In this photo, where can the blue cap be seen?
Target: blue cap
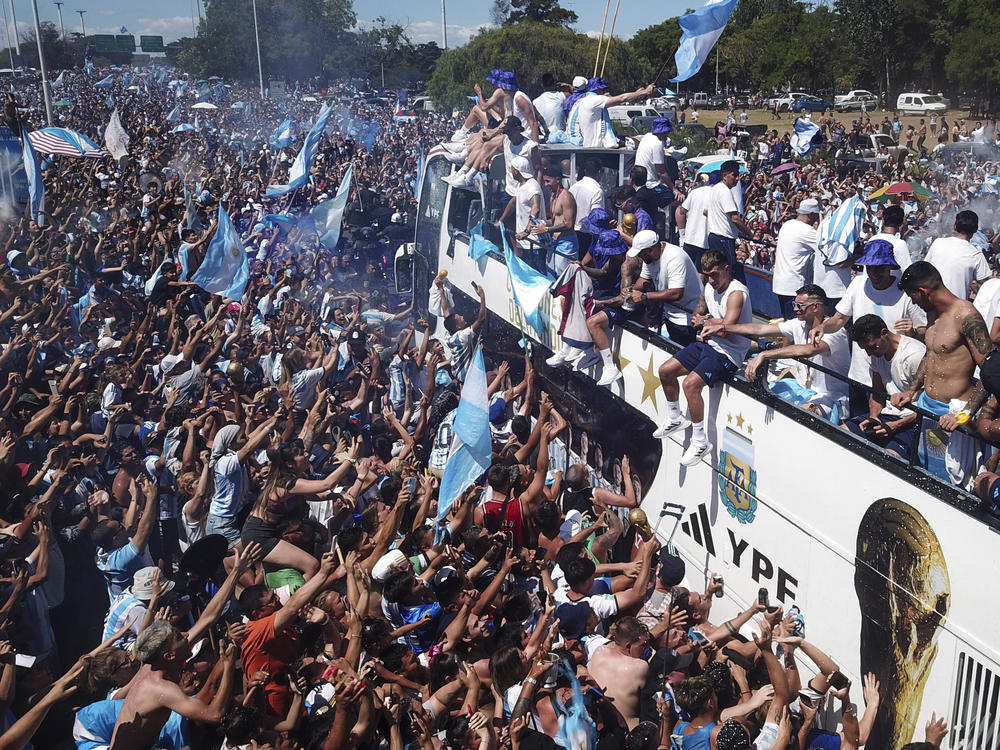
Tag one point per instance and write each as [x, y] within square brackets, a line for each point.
[662, 125]
[573, 618]
[609, 242]
[596, 221]
[878, 253]
[596, 84]
[498, 407]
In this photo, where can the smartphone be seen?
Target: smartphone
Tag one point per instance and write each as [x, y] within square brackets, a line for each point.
[411, 487]
[762, 598]
[697, 636]
[838, 680]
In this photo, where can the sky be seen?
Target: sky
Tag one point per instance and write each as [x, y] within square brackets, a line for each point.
[173, 18]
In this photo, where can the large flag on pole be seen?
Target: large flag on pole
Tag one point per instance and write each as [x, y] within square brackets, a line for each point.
[329, 215]
[225, 269]
[105, 83]
[115, 138]
[36, 188]
[298, 173]
[471, 447]
[529, 286]
[701, 30]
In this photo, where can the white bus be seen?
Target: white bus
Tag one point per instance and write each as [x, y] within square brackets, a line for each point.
[891, 567]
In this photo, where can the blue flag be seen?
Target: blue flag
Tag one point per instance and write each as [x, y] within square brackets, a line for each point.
[807, 136]
[478, 244]
[191, 220]
[225, 269]
[529, 286]
[105, 83]
[174, 115]
[282, 136]
[329, 215]
[471, 447]
[701, 30]
[839, 231]
[298, 173]
[36, 188]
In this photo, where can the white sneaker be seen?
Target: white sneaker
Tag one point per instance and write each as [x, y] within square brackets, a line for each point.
[587, 361]
[560, 357]
[459, 136]
[695, 452]
[671, 426]
[457, 157]
[609, 376]
[455, 146]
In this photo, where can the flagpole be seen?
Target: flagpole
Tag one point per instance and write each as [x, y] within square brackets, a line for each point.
[600, 39]
[10, 45]
[256, 33]
[41, 65]
[607, 47]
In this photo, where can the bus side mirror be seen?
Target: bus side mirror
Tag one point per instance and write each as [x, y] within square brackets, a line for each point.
[403, 268]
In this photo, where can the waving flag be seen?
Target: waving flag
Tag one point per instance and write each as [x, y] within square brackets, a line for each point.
[65, 142]
[478, 244]
[225, 270]
[529, 286]
[298, 173]
[191, 220]
[471, 447]
[174, 115]
[282, 136]
[36, 188]
[840, 230]
[115, 137]
[329, 215]
[105, 83]
[184, 127]
[807, 136]
[124, 30]
[701, 30]
[59, 81]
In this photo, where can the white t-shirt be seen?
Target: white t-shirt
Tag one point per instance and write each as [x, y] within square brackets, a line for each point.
[793, 257]
[696, 226]
[590, 121]
[304, 382]
[231, 482]
[899, 372]
[720, 204]
[649, 154]
[959, 262]
[509, 152]
[675, 270]
[891, 304]
[900, 251]
[550, 106]
[838, 359]
[525, 192]
[733, 346]
[830, 279]
[986, 300]
[589, 195]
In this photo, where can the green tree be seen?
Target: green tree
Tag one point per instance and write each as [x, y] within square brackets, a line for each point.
[508, 12]
[655, 45]
[974, 63]
[59, 53]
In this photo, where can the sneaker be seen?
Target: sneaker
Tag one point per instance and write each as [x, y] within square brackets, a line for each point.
[560, 357]
[457, 157]
[459, 136]
[694, 453]
[609, 376]
[455, 146]
[671, 426]
[588, 360]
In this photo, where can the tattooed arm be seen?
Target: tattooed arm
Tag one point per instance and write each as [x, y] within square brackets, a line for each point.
[977, 339]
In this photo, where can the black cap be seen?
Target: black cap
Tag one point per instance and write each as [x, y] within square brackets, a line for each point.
[296, 331]
[512, 123]
[671, 569]
[553, 170]
[355, 336]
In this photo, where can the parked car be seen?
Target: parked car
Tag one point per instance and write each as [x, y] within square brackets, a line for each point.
[855, 100]
[807, 103]
[699, 99]
[635, 116]
[868, 149]
[920, 104]
[784, 101]
[718, 101]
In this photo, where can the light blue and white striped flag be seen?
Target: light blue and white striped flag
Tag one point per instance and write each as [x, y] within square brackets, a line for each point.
[36, 188]
[282, 136]
[701, 30]
[329, 215]
[59, 81]
[298, 173]
[807, 136]
[840, 230]
[174, 115]
[105, 83]
[529, 286]
[225, 269]
[471, 447]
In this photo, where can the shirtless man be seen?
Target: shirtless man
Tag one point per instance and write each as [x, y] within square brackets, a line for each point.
[561, 210]
[619, 668]
[155, 692]
[957, 342]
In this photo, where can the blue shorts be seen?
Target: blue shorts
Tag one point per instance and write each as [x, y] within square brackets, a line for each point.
[224, 525]
[702, 359]
[664, 195]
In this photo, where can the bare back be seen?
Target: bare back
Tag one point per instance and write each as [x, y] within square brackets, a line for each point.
[957, 341]
[144, 711]
[621, 677]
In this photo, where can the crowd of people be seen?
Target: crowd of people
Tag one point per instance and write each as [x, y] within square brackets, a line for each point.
[219, 516]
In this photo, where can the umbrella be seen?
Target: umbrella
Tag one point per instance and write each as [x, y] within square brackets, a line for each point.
[786, 167]
[712, 166]
[900, 188]
[203, 105]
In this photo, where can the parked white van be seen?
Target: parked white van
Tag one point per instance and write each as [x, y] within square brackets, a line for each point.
[920, 104]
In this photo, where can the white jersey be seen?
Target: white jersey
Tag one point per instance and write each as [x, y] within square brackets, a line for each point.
[733, 346]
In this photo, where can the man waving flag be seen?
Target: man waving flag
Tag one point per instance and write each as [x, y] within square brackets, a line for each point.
[702, 30]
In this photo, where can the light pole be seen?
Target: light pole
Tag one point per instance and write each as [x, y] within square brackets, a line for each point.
[10, 46]
[444, 27]
[256, 33]
[17, 41]
[62, 29]
[81, 12]
[41, 64]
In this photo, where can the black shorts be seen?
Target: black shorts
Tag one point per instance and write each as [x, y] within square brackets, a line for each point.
[265, 534]
[702, 359]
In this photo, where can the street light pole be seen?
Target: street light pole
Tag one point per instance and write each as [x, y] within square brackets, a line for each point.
[444, 27]
[17, 41]
[41, 65]
[260, 67]
[10, 46]
[81, 12]
[62, 29]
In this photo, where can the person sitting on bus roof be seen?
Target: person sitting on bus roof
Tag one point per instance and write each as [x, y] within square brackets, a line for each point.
[669, 277]
[895, 360]
[589, 124]
[513, 142]
[821, 391]
[589, 196]
[724, 300]
[507, 99]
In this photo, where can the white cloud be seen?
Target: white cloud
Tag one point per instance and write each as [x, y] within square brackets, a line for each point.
[170, 27]
[430, 31]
